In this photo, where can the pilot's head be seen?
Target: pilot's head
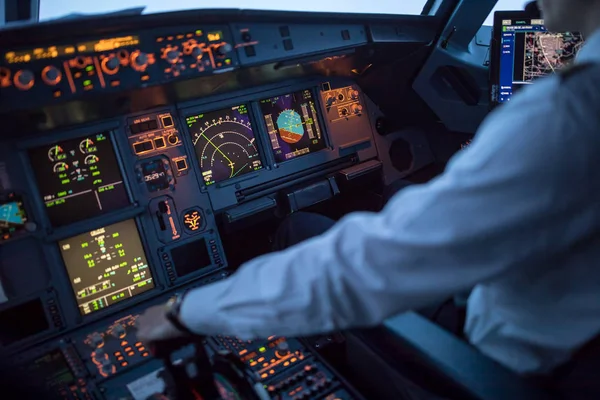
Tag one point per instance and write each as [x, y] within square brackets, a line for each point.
[571, 15]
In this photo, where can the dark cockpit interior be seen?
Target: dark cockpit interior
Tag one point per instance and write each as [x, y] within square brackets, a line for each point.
[143, 155]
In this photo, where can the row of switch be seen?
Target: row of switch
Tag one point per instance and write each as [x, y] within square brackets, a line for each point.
[157, 143]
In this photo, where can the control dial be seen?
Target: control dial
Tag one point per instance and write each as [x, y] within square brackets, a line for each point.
[329, 100]
[197, 53]
[173, 139]
[171, 54]
[110, 65]
[51, 75]
[96, 340]
[356, 108]
[223, 49]
[354, 94]
[119, 331]
[139, 61]
[24, 79]
[283, 349]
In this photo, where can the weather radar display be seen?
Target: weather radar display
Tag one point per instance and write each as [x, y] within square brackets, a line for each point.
[225, 144]
[293, 125]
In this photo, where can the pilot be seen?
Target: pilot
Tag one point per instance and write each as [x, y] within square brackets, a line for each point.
[515, 218]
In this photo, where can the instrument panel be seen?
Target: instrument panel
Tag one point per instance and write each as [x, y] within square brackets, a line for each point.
[102, 219]
[116, 214]
[112, 64]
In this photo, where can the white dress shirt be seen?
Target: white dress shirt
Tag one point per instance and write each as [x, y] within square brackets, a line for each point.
[514, 216]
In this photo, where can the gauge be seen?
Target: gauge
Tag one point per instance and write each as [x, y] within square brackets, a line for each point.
[87, 146]
[56, 153]
[91, 159]
[60, 167]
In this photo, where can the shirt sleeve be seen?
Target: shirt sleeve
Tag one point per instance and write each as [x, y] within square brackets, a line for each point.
[513, 198]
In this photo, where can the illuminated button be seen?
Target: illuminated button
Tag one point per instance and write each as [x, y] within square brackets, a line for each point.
[261, 359]
[124, 364]
[181, 164]
[264, 375]
[167, 121]
[128, 349]
[146, 354]
[131, 354]
[57, 93]
[148, 145]
[138, 148]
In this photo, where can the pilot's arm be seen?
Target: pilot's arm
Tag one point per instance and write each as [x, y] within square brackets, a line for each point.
[518, 195]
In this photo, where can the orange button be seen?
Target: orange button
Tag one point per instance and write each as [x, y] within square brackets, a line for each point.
[131, 354]
[124, 364]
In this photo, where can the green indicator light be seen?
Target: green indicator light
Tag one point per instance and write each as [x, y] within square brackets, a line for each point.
[89, 68]
[87, 82]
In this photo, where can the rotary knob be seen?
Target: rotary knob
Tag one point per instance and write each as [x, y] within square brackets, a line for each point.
[283, 349]
[96, 340]
[354, 95]
[173, 139]
[106, 366]
[357, 108]
[24, 79]
[329, 100]
[139, 61]
[172, 56]
[110, 65]
[119, 332]
[197, 53]
[224, 49]
[51, 75]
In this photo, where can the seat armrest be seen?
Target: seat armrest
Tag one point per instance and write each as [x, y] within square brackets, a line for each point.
[457, 361]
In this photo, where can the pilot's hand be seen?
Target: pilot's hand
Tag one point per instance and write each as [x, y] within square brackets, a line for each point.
[153, 326]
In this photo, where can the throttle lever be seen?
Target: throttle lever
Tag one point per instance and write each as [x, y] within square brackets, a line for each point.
[179, 385]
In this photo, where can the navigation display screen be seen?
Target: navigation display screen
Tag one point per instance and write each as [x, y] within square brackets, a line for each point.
[293, 125]
[526, 51]
[225, 143]
[106, 266]
[79, 179]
